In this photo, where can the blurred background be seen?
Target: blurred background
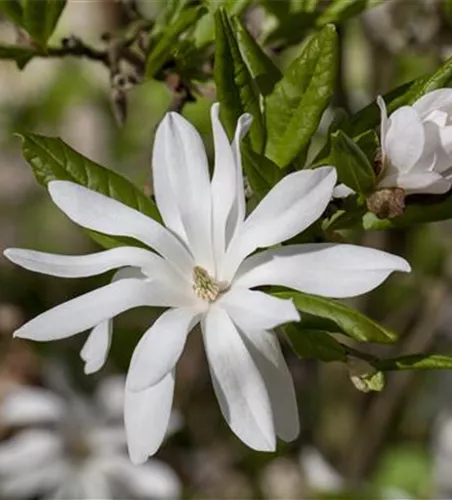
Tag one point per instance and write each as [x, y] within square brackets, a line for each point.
[393, 444]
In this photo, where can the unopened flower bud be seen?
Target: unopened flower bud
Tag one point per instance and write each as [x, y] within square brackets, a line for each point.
[387, 203]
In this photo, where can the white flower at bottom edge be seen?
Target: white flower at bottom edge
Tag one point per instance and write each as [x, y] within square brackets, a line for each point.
[416, 146]
[75, 448]
[204, 272]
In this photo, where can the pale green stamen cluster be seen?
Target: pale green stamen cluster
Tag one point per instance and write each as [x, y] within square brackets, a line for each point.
[206, 287]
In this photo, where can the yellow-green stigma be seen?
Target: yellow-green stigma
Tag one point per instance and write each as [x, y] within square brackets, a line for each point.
[206, 287]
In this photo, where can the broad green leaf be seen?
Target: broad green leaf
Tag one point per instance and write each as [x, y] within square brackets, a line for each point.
[37, 17]
[22, 55]
[415, 362]
[261, 172]
[52, 159]
[315, 344]
[236, 89]
[350, 321]
[340, 10]
[261, 67]
[406, 94]
[161, 52]
[353, 167]
[40, 18]
[294, 109]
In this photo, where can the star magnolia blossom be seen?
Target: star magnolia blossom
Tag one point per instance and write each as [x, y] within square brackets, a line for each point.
[75, 448]
[203, 270]
[416, 146]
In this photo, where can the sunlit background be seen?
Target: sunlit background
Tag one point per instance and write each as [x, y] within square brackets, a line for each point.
[56, 424]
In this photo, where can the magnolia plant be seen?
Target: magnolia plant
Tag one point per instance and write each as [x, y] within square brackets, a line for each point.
[247, 252]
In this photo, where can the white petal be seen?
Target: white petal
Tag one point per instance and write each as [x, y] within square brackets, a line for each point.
[77, 266]
[384, 124]
[92, 308]
[110, 395]
[98, 212]
[96, 347]
[342, 191]
[404, 141]
[224, 189]
[238, 384]
[266, 352]
[36, 482]
[255, 310]
[154, 480]
[324, 269]
[184, 158]
[160, 348]
[28, 450]
[422, 182]
[437, 117]
[28, 406]
[237, 215]
[440, 99]
[291, 206]
[146, 416]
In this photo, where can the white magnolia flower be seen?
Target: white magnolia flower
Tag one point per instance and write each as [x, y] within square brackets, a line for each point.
[73, 448]
[416, 146]
[203, 270]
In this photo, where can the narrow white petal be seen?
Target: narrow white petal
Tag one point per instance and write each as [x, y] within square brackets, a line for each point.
[404, 141]
[96, 347]
[324, 269]
[238, 384]
[237, 215]
[291, 206]
[384, 124]
[77, 266]
[36, 482]
[110, 395]
[92, 308]
[342, 191]
[185, 161]
[159, 349]
[224, 188]
[30, 406]
[255, 310]
[419, 182]
[28, 449]
[146, 416]
[266, 352]
[155, 479]
[98, 212]
[440, 99]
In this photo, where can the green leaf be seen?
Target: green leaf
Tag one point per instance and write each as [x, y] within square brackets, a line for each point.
[261, 67]
[350, 321]
[236, 90]
[315, 344]
[415, 362]
[22, 55]
[162, 51]
[406, 94]
[52, 159]
[37, 17]
[353, 167]
[341, 10]
[369, 382]
[294, 109]
[261, 172]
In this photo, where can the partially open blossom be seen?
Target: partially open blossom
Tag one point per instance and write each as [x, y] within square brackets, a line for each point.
[70, 446]
[416, 145]
[204, 269]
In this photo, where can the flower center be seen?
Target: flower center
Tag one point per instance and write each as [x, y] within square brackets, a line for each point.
[205, 286]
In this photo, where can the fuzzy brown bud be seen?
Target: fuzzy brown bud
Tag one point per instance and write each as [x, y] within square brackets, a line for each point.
[387, 203]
